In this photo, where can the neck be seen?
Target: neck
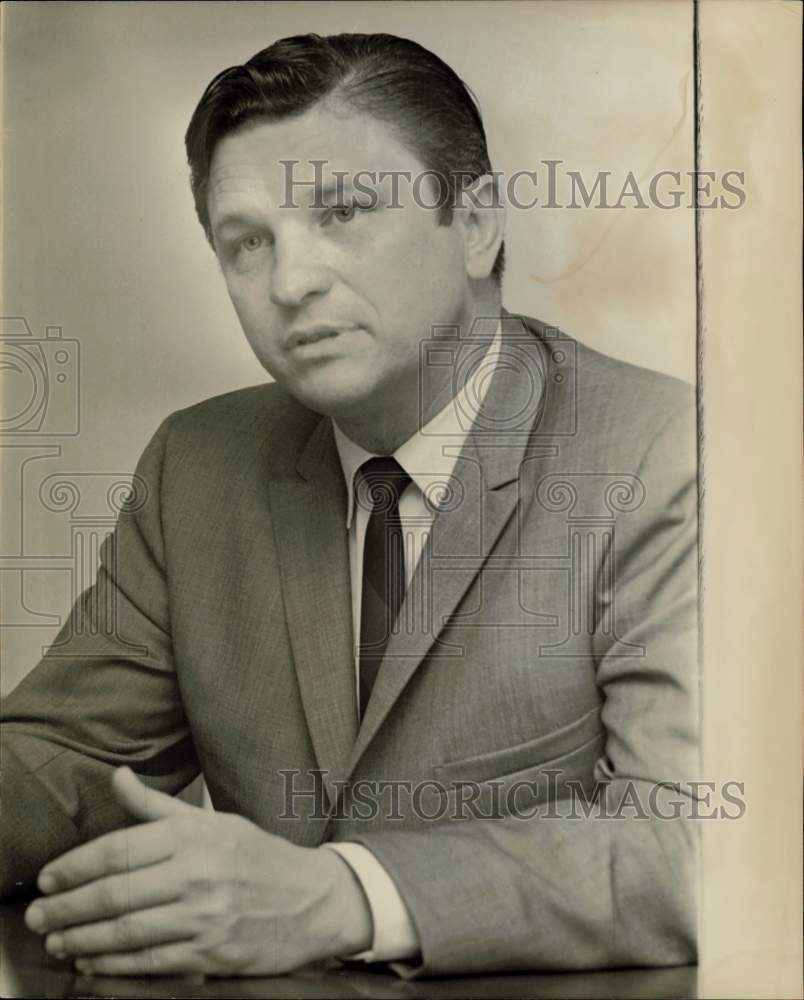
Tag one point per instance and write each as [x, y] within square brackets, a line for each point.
[383, 426]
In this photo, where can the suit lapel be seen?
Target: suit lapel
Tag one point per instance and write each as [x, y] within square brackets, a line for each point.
[309, 512]
[463, 534]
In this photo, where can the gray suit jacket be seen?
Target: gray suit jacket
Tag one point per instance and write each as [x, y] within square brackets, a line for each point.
[549, 639]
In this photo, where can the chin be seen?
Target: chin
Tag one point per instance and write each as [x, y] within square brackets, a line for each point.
[335, 395]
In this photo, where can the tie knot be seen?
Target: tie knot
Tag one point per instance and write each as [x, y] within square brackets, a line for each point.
[381, 482]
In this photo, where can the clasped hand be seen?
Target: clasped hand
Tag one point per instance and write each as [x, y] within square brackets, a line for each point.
[193, 891]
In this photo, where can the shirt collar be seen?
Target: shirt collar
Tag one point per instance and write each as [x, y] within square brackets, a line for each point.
[429, 456]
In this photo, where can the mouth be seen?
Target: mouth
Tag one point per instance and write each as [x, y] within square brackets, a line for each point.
[315, 334]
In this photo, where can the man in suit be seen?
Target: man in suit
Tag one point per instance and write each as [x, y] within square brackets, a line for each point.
[422, 611]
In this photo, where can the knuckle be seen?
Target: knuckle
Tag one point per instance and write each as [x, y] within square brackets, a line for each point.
[129, 932]
[228, 955]
[115, 853]
[215, 908]
[210, 923]
[107, 896]
[200, 877]
[185, 876]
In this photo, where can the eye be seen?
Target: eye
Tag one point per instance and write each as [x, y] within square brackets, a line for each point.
[251, 243]
[344, 213]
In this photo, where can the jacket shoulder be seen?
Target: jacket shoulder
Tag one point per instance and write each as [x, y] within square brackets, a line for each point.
[244, 410]
[255, 424]
[633, 384]
[611, 402]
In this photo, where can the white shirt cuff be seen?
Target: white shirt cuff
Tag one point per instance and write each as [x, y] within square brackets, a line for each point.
[395, 937]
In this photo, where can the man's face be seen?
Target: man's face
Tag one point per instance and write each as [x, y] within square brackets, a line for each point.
[334, 301]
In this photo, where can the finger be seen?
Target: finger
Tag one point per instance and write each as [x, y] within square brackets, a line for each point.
[145, 803]
[167, 959]
[105, 897]
[132, 931]
[120, 851]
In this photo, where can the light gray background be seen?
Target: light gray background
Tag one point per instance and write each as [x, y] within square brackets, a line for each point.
[101, 237]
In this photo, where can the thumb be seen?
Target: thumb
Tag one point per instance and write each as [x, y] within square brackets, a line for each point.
[145, 803]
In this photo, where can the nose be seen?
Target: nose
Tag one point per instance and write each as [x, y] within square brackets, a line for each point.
[298, 272]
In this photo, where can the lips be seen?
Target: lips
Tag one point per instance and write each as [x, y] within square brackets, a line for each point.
[314, 334]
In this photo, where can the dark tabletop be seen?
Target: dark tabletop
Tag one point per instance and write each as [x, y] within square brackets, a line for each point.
[26, 970]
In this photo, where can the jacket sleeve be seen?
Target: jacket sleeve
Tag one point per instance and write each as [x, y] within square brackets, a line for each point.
[616, 888]
[105, 694]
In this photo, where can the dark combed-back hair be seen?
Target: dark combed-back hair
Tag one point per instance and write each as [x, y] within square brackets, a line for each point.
[395, 80]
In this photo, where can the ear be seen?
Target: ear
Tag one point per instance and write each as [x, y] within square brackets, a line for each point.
[482, 214]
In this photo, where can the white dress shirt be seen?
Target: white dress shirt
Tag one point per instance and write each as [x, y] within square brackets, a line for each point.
[429, 459]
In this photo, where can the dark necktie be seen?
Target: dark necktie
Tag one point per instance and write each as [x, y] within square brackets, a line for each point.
[381, 482]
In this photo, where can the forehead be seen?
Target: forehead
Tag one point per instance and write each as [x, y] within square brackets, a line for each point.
[253, 162]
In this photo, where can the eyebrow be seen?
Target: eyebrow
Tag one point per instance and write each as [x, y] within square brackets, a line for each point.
[230, 220]
[238, 219]
[342, 185]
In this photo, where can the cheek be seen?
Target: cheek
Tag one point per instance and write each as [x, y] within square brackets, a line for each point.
[439, 286]
[253, 308]
[419, 269]
[258, 322]
[440, 259]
